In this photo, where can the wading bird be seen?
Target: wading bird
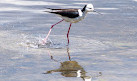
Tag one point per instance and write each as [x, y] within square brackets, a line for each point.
[69, 15]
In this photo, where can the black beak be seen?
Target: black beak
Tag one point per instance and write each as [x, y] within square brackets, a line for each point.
[97, 12]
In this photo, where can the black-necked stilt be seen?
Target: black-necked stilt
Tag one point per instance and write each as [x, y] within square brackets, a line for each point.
[69, 15]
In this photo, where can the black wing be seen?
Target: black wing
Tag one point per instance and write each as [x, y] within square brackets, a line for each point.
[70, 13]
[67, 14]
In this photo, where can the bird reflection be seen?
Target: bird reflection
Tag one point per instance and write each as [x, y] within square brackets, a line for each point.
[70, 69]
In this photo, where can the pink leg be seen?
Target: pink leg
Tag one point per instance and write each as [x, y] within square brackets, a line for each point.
[68, 33]
[68, 54]
[45, 40]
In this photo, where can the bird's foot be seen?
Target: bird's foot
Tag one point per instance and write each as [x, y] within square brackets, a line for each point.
[42, 42]
[45, 42]
[67, 45]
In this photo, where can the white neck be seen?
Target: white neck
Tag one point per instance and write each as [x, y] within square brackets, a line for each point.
[84, 14]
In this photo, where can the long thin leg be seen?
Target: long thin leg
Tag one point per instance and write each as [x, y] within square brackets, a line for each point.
[68, 33]
[45, 40]
[68, 54]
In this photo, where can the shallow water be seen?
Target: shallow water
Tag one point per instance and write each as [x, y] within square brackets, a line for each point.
[102, 47]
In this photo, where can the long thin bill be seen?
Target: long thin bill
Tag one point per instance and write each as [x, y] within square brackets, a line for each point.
[97, 12]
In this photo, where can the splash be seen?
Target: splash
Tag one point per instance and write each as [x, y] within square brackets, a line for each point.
[37, 42]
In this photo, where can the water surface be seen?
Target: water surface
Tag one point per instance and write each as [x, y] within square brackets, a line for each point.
[102, 47]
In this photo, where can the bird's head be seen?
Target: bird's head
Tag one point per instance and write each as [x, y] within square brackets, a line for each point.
[89, 8]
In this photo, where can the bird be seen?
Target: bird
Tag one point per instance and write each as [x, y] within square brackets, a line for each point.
[69, 15]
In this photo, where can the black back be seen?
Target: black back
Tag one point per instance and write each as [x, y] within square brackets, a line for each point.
[69, 14]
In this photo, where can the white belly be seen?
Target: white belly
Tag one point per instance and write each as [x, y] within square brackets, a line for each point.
[73, 20]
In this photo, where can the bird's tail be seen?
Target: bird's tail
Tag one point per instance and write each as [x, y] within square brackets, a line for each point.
[48, 10]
